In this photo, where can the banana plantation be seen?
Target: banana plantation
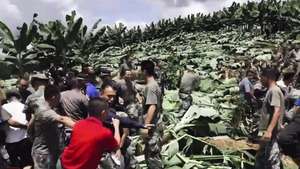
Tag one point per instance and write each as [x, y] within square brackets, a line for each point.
[213, 132]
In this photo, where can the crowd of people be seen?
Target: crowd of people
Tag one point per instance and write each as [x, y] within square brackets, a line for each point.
[82, 120]
[269, 93]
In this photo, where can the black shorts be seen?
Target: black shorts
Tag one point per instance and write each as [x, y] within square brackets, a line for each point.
[289, 139]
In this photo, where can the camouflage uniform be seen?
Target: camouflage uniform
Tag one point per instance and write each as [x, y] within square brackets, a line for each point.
[134, 111]
[128, 149]
[186, 102]
[153, 142]
[268, 157]
[189, 82]
[129, 157]
[107, 162]
[30, 104]
[44, 154]
[153, 145]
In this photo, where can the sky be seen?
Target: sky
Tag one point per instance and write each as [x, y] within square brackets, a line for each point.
[129, 12]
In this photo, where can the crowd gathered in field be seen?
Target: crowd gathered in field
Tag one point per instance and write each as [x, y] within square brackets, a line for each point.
[74, 119]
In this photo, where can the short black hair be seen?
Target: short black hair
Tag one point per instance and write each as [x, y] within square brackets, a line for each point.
[11, 94]
[109, 83]
[96, 106]
[148, 66]
[73, 83]
[271, 74]
[50, 91]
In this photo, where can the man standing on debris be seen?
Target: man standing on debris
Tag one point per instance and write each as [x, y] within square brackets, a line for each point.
[152, 108]
[125, 63]
[127, 94]
[268, 156]
[189, 82]
[246, 88]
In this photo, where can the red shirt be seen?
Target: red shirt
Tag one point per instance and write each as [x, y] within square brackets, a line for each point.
[88, 141]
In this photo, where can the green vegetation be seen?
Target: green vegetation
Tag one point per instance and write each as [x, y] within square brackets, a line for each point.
[72, 43]
[221, 44]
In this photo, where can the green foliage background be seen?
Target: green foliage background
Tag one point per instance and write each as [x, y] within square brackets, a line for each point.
[223, 42]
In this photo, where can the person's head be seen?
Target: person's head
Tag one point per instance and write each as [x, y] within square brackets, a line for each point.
[52, 95]
[288, 78]
[252, 75]
[126, 74]
[13, 95]
[269, 76]
[147, 67]
[108, 93]
[98, 108]
[23, 84]
[91, 78]
[85, 68]
[39, 80]
[76, 83]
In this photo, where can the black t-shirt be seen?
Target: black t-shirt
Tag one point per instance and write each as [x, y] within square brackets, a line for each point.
[24, 94]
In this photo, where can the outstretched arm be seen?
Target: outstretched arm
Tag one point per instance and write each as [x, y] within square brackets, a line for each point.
[66, 121]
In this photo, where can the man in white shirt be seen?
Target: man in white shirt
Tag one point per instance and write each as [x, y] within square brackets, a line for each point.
[17, 144]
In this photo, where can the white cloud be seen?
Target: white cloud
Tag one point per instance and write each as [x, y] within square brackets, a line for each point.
[9, 11]
[129, 12]
[173, 8]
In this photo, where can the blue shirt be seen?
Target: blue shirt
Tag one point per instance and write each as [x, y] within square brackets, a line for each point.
[92, 91]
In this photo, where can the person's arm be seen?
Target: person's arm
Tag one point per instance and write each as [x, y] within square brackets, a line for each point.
[273, 123]
[66, 121]
[16, 124]
[139, 97]
[7, 117]
[150, 114]
[30, 127]
[276, 103]
[116, 124]
[124, 136]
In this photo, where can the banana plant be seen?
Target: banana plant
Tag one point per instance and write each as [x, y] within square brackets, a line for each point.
[61, 37]
[116, 35]
[86, 43]
[16, 50]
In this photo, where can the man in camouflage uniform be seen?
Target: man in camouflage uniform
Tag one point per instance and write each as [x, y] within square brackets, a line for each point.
[46, 133]
[160, 76]
[38, 82]
[189, 82]
[152, 105]
[268, 156]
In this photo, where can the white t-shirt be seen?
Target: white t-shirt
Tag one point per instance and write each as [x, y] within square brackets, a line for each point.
[13, 135]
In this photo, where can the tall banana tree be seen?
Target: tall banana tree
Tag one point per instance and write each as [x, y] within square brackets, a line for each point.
[60, 37]
[86, 44]
[16, 51]
[115, 35]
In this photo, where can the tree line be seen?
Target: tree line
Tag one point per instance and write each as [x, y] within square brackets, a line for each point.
[37, 45]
